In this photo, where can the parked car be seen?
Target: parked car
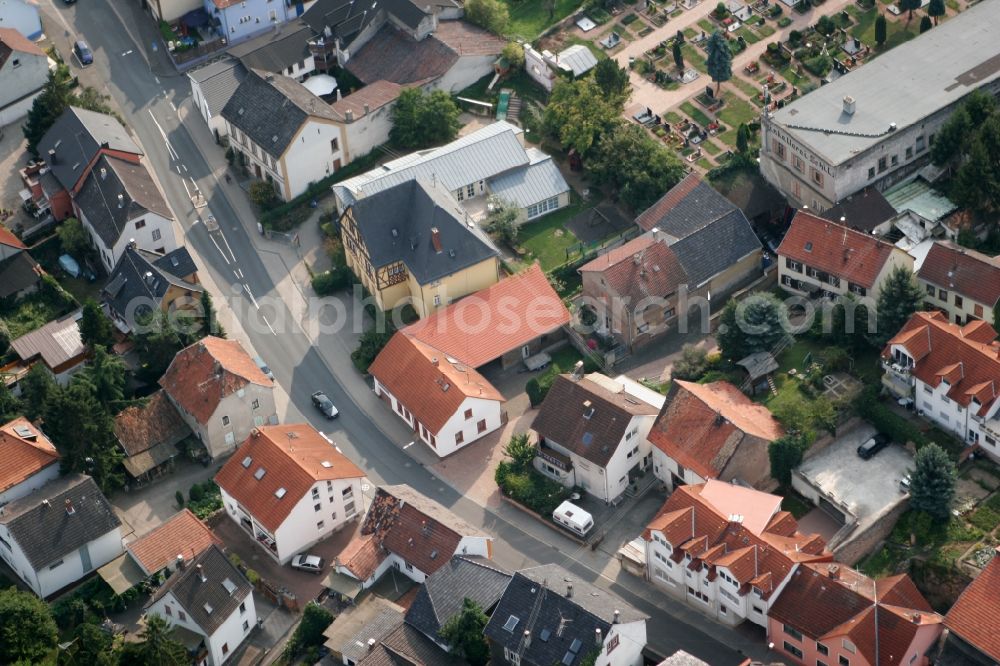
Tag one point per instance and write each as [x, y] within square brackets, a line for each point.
[873, 445]
[83, 52]
[263, 367]
[325, 405]
[306, 562]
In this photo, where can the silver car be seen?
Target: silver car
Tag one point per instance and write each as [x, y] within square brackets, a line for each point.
[306, 562]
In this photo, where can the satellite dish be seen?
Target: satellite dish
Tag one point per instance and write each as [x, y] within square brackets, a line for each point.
[574, 496]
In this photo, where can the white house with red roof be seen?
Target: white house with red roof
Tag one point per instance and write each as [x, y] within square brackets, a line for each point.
[960, 282]
[29, 459]
[972, 621]
[219, 392]
[819, 257]
[24, 69]
[289, 487]
[727, 550]
[952, 373]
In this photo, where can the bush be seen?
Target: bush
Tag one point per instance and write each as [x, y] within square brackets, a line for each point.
[794, 37]
[532, 489]
[196, 493]
[179, 498]
[370, 344]
[692, 365]
[209, 499]
[985, 519]
[534, 391]
[900, 430]
[253, 577]
[263, 195]
[784, 22]
[332, 281]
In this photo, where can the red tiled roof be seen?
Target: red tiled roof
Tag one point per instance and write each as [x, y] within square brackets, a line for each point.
[11, 40]
[689, 428]
[7, 237]
[943, 350]
[652, 215]
[974, 615]
[466, 39]
[139, 429]
[375, 95]
[493, 321]
[640, 268]
[182, 535]
[23, 457]
[955, 268]
[825, 601]
[201, 375]
[431, 384]
[825, 246]
[293, 457]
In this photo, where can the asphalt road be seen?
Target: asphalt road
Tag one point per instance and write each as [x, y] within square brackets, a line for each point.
[148, 91]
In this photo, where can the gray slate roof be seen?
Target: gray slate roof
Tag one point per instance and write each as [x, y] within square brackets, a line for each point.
[539, 181]
[443, 593]
[218, 81]
[194, 594]
[377, 618]
[561, 623]
[396, 224]
[47, 532]
[98, 198]
[76, 137]
[715, 247]
[903, 86]
[276, 50]
[270, 109]
[131, 291]
[346, 18]
[17, 273]
[406, 646]
[687, 207]
[863, 210]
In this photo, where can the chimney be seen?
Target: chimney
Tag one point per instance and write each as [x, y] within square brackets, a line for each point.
[69, 507]
[131, 243]
[436, 239]
[371, 644]
[527, 638]
[598, 636]
[46, 502]
[569, 591]
[892, 127]
[434, 361]
[617, 615]
[121, 200]
[201, 574]
[349, 114]
[915, 618]
[366, 108]
[833, 572]
[181, 565]
[578, 370]
[637, 258]
[656, 234]
[849, 105]
[104, 173]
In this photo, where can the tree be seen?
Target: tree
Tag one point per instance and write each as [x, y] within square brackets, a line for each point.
[57, 95]
[464, 633]
[370, 344]
[521, 451]
[263, 195]
[106, 375]
[82, 429]
[95, 327]
[678, 52]
[758, 323]
[73, 237]
[93, 646]
[720, 59]
[211, 324]
[976, 184]
[950, 139]
[743, 138]
[513, 53]
[638, 168]
[501, 221]
[880, 30]
[158, 646]
[925, 24]
[157, 342]
[579, 113]
[421, 119]
[315, 619]
[27, 631]
[908, 6]
[785, 454]
[692, 364]
[936, 8]
[932, 483]
[899, 298]
[612, 79]
[36, 389]
[10, 406]
[491, 15]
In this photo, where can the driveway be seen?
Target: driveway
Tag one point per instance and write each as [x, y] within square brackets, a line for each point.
[145, 509]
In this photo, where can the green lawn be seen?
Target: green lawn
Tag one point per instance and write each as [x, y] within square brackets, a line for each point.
[694, 58]
[690, 32]
[672, 117]
[747, 88]
[736, 111]
[710, 147]
[707, 26]
[766, 30]
[31, 313]
[794, 355]
[788, 71]
[563, 360]
[704, 163]
[548, 239]
[795, 504]
[952, 5]
[529, 18]
[695, 114]
[897, 31]
[748, 35]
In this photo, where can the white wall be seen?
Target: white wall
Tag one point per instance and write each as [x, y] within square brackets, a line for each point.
[22, 16]
[629, 639]
[243, 19]
[664, 467]
[300, 529]
[310, 156]
[32, 483]
[19, 85]
[216, 123]
[143, 237]
[367, 132]
[466, 71]
[220, 438]
[233, 631]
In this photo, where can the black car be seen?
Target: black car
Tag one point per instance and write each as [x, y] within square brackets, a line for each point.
[873, 445]
[325, 405]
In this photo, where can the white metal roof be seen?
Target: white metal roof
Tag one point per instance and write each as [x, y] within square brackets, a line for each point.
[539, 181]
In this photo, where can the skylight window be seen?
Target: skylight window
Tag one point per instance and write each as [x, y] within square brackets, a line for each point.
[259, 474]
[809, 246]
[280, 492]
[230, 586]
[208, 609]
[511, 623]
[247, 461]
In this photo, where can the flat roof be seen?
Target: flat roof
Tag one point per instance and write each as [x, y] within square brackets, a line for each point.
[902, 86]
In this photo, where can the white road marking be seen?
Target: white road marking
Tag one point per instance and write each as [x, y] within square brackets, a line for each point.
[157, 79]
[172, 106]
[177, 166]
[237, 274]
[227, 246]
[163, 135]
[184, 166]
[219, 249]
[269, 325]
[408, 446]
[253, 300]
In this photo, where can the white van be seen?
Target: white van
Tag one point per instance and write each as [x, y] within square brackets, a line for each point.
[573, 518]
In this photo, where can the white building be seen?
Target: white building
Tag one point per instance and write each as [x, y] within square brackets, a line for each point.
[212, 86]
[24, 70]
[31, 460]
[289, 487]
[593, 432]
[23, 16]
[118, 203]
[952, 373]
[220, 393]
[546, 68]
[411, 533]
[240, 20]
[726, 550]
[365, 117]
[56, 535]
[872, 127]
[210, 605]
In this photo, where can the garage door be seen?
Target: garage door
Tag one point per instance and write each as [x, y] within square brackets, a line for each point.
[831, 510]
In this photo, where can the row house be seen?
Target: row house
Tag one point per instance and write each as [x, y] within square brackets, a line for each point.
[961, 283]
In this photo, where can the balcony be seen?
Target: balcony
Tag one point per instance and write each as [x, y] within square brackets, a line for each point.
[554, 458]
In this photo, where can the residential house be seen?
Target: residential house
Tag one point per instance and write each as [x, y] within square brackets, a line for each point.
[829, 613]
[144, 282]
[429, 373]
[23, 16]
[546, 68]
[972, 634]
[592, 432]
[870, 127]
[411, 533]
[282, 132]
[59, 533]
[69, 150]
[866, 211]
[358, 628]
[19, 272]
[211, 88]
[220, 393]
[30, 460]
[711, 237]
[952, 373]
[758, 199]
[24, 70]
[171, 10]
[365, 117]
[490, 162]
[283, 50]
[818, 257]
[961, 283]
[548, 616]
[634, 290]
[119, 205]
[149, 435]
[57, 345]
[236, 20]
[411, 244]
[406, 645]
[210, 605]
[726, 550]
[712, 431]
[289, 487]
